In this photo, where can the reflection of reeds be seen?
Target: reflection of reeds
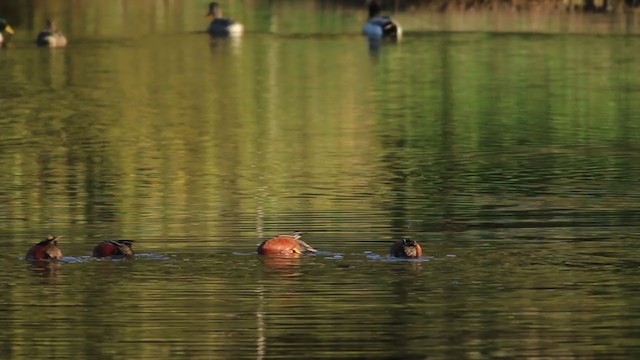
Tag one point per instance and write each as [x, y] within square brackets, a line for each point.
[261, 336]
[240, 123]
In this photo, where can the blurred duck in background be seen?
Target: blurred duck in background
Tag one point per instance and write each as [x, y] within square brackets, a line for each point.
[380, 27]
[51, 37]
[221, 26]
[5, 28]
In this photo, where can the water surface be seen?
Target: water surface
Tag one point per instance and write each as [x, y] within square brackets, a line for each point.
[510, 154]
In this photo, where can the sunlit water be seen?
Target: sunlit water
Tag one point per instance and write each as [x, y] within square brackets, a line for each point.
[512, 157]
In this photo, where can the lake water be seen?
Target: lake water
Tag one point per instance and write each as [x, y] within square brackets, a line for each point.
[508, 146]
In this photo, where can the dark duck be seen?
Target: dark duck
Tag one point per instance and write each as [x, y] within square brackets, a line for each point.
[405, 248]
[221, 26]
[380, 27]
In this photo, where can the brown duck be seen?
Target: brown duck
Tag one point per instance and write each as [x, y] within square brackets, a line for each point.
[285, 245]
[45, 249]
[406, 248]
[113, 248]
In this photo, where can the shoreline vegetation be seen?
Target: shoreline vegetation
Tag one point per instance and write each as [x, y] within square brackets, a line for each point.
[588, 6]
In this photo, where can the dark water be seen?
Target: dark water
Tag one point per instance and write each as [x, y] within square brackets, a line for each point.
[511, 154]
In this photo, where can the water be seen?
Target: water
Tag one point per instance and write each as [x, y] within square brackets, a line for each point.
[509, 153]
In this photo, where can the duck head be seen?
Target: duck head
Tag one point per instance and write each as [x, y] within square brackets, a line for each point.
[215, 11]
[374, 9]
[5, 27]
[50, 25]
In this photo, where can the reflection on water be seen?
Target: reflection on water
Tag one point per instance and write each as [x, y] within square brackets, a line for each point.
[511, 157]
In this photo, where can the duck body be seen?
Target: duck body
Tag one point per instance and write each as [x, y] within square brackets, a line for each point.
[5, 27]
[51, 37]
[285, 245]
[380, 27]
[46, 249]
[114, 248]
[221, 26]
[406, 248]
[225, 27]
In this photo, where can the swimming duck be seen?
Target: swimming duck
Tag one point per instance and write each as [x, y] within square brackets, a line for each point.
[405, 248]
[220, 26]
[113, 248]
[379, 27]
[51, 37]
[45, 249]
[285, 245]
[5, 27]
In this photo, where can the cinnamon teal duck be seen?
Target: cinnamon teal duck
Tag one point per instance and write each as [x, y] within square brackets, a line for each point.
[45, 249]
[286, 245]
[405, 248]
[114, 248]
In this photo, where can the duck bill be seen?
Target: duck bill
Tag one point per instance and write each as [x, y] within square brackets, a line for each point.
[9, 29]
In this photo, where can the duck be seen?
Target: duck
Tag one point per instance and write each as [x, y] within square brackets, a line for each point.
[51, 37]
[285, 245]
[5, 27]
[114, 248]
[46, 249]
[380, 27]
[221, 26]
[406, 249]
